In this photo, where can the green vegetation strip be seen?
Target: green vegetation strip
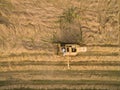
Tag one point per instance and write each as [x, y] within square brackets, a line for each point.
[25, 54]
[98, 53]
[61, 63]
[77, 73]
[22, 88]
[76, 82]
[55, 89]
[61, 82]
[73, 73]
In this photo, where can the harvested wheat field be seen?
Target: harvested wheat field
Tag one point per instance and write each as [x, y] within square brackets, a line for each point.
[31, 30]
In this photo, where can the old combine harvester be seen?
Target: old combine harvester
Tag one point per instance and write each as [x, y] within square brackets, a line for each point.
[70, 50]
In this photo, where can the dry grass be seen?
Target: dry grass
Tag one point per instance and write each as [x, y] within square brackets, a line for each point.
[34, 22]
[27, 56]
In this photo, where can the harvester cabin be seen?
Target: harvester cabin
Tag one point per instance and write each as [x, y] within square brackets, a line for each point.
[70, 49]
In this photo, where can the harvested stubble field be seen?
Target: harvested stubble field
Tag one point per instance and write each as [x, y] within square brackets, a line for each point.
[28, 60]
[36, 71]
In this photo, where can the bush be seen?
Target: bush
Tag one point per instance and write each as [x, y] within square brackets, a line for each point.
[70, 27]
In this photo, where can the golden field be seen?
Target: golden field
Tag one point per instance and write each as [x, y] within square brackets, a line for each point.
[28, 30]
